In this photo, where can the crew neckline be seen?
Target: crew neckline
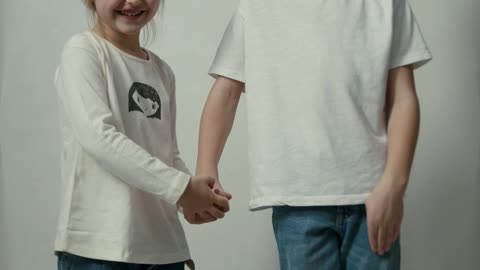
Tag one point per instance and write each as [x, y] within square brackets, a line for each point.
[136, 58]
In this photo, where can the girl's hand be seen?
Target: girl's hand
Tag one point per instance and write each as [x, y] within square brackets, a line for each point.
[384, 216]
[199, 197]
[205, 217]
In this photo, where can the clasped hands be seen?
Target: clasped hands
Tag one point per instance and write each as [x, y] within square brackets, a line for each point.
[204, 200]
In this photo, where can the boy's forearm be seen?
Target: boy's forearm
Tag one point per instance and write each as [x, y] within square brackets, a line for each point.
[216, 123]
[403, 126]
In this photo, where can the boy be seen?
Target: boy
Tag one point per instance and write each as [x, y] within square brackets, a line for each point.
[333, 120]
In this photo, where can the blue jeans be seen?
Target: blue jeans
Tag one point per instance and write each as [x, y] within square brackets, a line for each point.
[67, 261]
[328, 238]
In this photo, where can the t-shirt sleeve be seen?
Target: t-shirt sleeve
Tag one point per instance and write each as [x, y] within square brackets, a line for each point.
[230, 58]
[408, 44]
[81, 88]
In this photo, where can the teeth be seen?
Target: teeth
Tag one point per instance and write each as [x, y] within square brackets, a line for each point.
[130, 14]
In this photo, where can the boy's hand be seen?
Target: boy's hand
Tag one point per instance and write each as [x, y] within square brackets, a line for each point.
[218, 189]
[384, 216]
[199, 197]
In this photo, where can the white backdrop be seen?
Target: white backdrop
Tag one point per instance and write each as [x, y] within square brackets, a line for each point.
[442, 213]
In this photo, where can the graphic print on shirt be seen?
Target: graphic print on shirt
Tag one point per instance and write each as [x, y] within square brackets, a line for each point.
[145, 99]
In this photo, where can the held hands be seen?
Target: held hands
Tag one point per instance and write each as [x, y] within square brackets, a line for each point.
[384, 215]
[205, 217]
[204, 200]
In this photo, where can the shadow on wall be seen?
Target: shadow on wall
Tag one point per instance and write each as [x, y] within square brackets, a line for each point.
[478, 159]
[2, 49]
[478, 186]
[477, 41]
[3, 233]
[3, 245]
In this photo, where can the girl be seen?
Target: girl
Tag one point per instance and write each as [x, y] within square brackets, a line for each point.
[123, 175]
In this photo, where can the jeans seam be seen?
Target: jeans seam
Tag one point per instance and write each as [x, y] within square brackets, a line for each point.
[340, 220]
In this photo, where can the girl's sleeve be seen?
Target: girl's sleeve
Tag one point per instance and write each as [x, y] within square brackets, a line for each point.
[81, 88]
[177, 160]
[408, 44]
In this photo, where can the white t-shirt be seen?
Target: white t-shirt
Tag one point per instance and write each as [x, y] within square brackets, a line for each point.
[315, 74]
[121, 167]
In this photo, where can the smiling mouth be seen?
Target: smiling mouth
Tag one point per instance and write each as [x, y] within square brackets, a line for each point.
[130, 13]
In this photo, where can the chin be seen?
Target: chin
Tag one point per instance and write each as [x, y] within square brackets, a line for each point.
[129, 30]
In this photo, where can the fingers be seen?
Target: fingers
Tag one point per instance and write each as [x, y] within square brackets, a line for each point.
[192, 219]
[396, 233]
[388, 243]
[198, 217]
[202, 218]
[386, 237]
[223, 193]
[215, 212]
[205, 217]
[220, 201]
[372, 236]
[381, 240]
[391, 238]
[222, 208]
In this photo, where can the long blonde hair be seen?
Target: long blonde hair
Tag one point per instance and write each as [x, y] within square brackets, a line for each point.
[147, 34]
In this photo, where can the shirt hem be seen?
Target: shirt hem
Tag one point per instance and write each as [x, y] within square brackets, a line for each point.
[333, 200]
[62, 245]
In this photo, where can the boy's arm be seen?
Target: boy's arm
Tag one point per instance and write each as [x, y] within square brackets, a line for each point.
[216, 123]
[215, 126]
[385, 204]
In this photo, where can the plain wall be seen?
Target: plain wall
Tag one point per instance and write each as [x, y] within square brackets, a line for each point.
[442, 217]
[2, 199]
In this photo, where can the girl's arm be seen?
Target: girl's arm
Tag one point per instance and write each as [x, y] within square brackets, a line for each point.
[81, 90]
[385, 204]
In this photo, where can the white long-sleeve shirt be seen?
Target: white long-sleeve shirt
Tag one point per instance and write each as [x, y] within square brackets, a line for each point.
[121, 167]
